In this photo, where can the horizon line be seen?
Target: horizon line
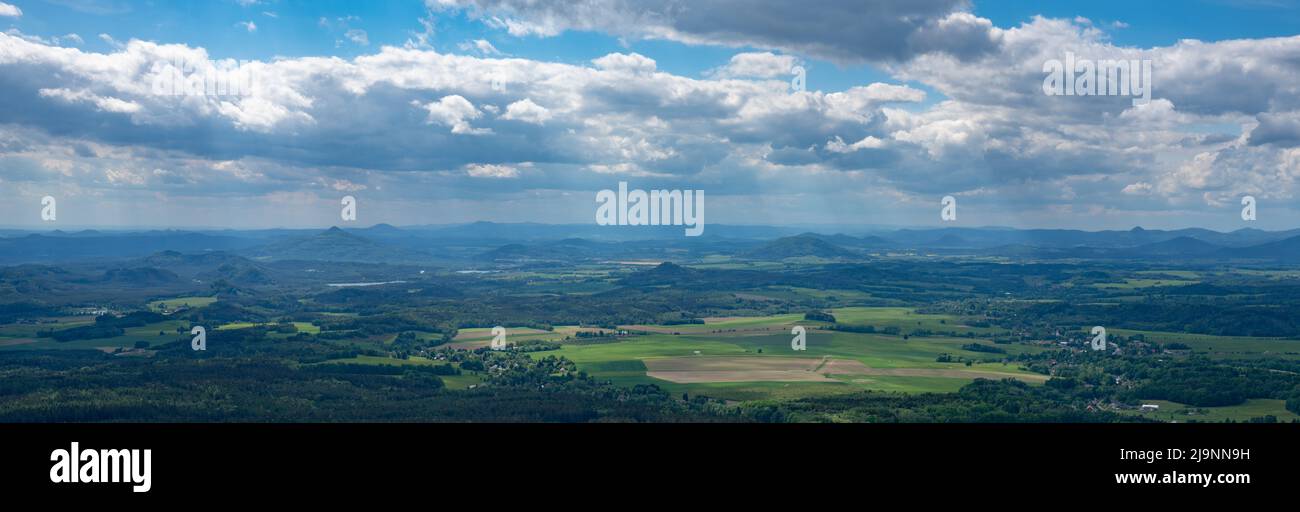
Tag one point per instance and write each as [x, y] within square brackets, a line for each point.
[876, 227]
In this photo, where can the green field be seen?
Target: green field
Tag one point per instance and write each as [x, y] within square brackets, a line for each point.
[306, 327]
[774, 323]
[1225, 347]
[905, 319]
[149, 333]
[23, 336]
[27, 331]
[623, 362]
[381, 360]
[1173, 411]
[485, 333]
[750, 391]
[481, 337]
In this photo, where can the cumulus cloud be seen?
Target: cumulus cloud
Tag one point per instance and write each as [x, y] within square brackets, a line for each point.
[100, 102]
[1140, 188]
[634, 62]
[415, 123]
[864, 31]
[868, 142]
[10, 10]
[757, 65]
[455, 111]
[1282, 129]
[66, 39]
[491, 171]
[527, 111]
[481, 46]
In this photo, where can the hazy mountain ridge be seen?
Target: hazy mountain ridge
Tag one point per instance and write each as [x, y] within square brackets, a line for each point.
[488, 242]
[804, 245]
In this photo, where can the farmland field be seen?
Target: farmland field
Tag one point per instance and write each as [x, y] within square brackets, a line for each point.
[1173, 411]
[708, 338]
[748, 347]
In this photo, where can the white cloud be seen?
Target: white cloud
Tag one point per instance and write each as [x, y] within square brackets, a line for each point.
[107, 104]
[358, 36]
[633, 62]
[69, 38]
[1140, 188]
[110, 41]
[527, 111]
[10, 10]
[838, 146]
[247, 26]
[123, 177]
[342, 185]
[757, 65]
[455, 111]
[491, 171]
[883, 30]
[325, 119]
[481, 46]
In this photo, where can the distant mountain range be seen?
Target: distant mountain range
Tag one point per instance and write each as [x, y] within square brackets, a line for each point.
[489, 243]
[335, 244]
[805, 245]
[61, 247]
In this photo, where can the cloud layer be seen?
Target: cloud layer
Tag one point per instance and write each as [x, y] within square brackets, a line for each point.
[504, 138]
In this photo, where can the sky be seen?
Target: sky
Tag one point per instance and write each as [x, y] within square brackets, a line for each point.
[451, 111]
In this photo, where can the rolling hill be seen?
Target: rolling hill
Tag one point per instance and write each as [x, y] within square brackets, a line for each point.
[800, 246]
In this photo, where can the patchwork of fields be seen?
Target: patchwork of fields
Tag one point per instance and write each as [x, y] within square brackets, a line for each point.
[743, 358]
[751, 358]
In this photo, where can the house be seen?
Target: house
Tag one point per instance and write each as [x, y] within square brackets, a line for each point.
[1150, 407]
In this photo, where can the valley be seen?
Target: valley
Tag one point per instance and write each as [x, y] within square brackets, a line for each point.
[696, 330]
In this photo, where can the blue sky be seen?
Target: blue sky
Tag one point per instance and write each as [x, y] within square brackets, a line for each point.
[294, 28]
[906, 101]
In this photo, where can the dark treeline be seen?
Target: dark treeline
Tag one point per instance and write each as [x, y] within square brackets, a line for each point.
[983, 401]
[219, 389]
[1178, 314]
